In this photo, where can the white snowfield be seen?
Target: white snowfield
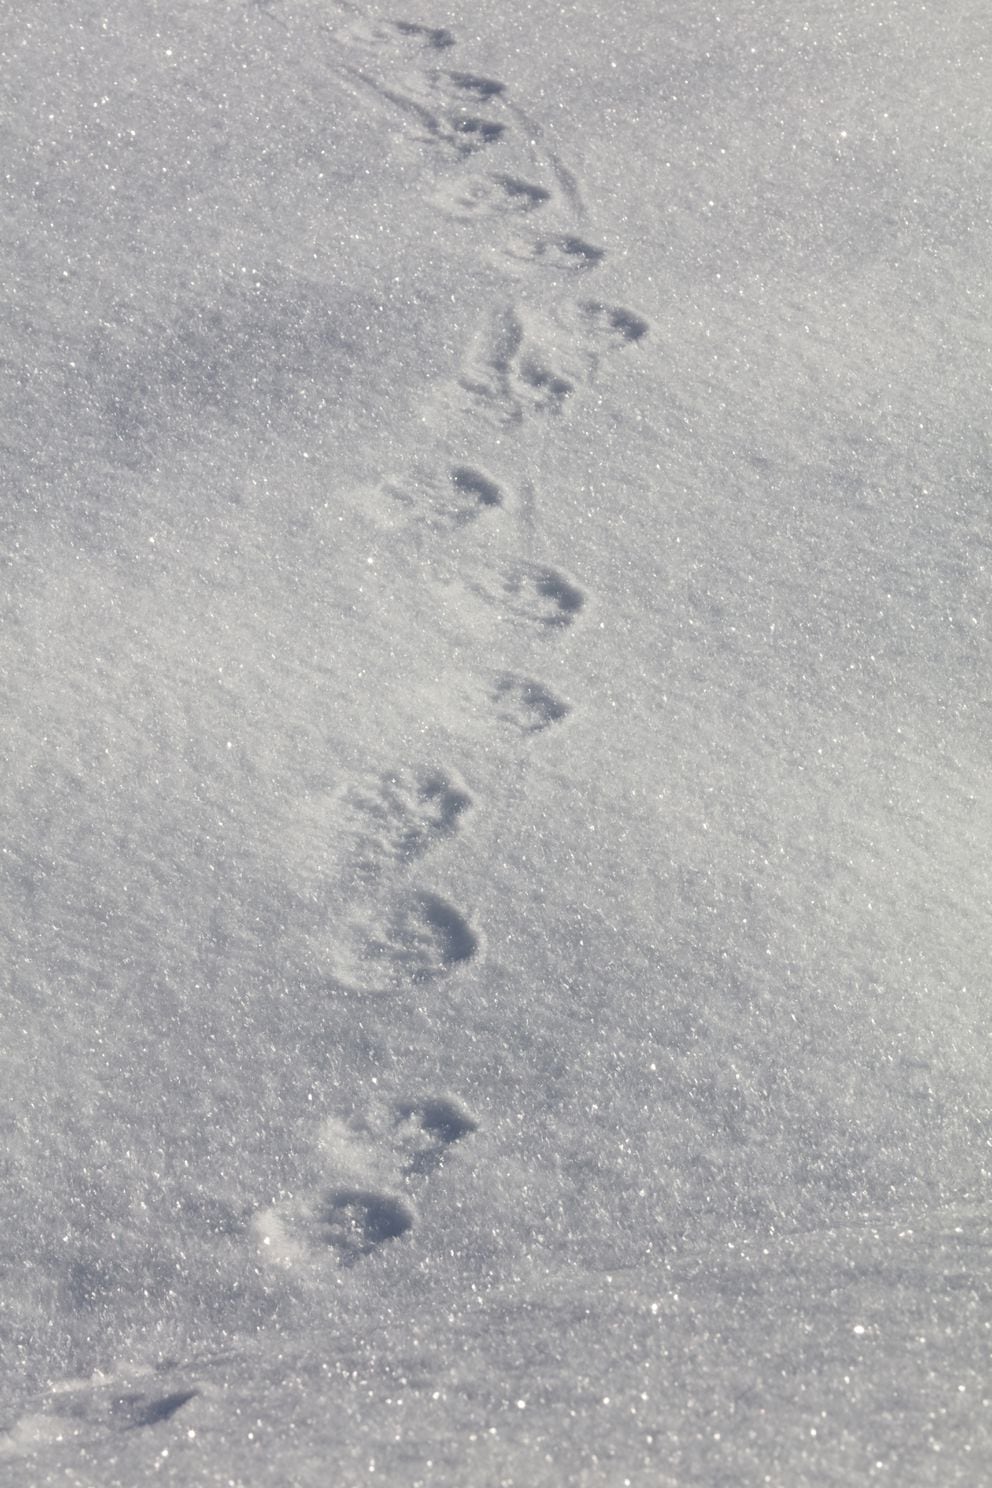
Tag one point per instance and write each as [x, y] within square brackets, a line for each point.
[495, 716]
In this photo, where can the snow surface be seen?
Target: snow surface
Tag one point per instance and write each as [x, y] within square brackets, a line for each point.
[495, 744]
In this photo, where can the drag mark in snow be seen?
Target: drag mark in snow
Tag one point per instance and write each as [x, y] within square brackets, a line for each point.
[135, 1411]
[567, 180]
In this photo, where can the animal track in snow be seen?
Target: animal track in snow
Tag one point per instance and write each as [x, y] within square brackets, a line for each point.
[355, 834]
[397, 941]
[611, 324]
[468, 199]
[343, 1222]
[354, 1222]
[447, 102]
[535, 593]
[563, 254]
[453, 499]
[524, 362]
[539, 384]
[407, 815]
[373, 1168]
[479, 197]
[424, 937]
[426, 1129]
[397, 38]
[476, 486]
[457, 85]
[455, 127]
[134, 1411]
[89, 1409]
[527, 705]
[468, 133]
[513, 371]
[434, 38]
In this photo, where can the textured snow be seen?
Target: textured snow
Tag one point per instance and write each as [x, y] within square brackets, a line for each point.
[495, 782]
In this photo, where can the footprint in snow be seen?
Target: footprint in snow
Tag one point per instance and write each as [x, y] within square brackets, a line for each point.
[422, 938]
[475, 198]
[526, 705]
[532, 592]
[431, 38]
[525, 362]
[376, 1169]
[609, 326]
[565, 254]
[359, 833]
[350, 1222]
[458, 129]
[87, 1410]
[436, 501]
[425, 1131]
[516, 368]
[393, 943]
[398, 37]
[457, 86]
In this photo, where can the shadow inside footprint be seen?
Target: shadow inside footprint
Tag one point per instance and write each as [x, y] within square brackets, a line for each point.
[478, 131]
[135, 1411]
[439, 1124]
[438, 38]
[614, 321]
[446, 801]
[543, 594]
[523, 192]
[586, 255]
[425, 938]
[567, 599]
[479, 87]
[472, 483]
[567, 253]
[455, 939]
[485, 196]
[547, 389]
[355, 1221]
[528, 705]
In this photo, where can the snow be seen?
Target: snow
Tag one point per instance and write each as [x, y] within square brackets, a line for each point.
[495, 629]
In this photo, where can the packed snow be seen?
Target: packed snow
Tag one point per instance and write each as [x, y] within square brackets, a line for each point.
[496, 728]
